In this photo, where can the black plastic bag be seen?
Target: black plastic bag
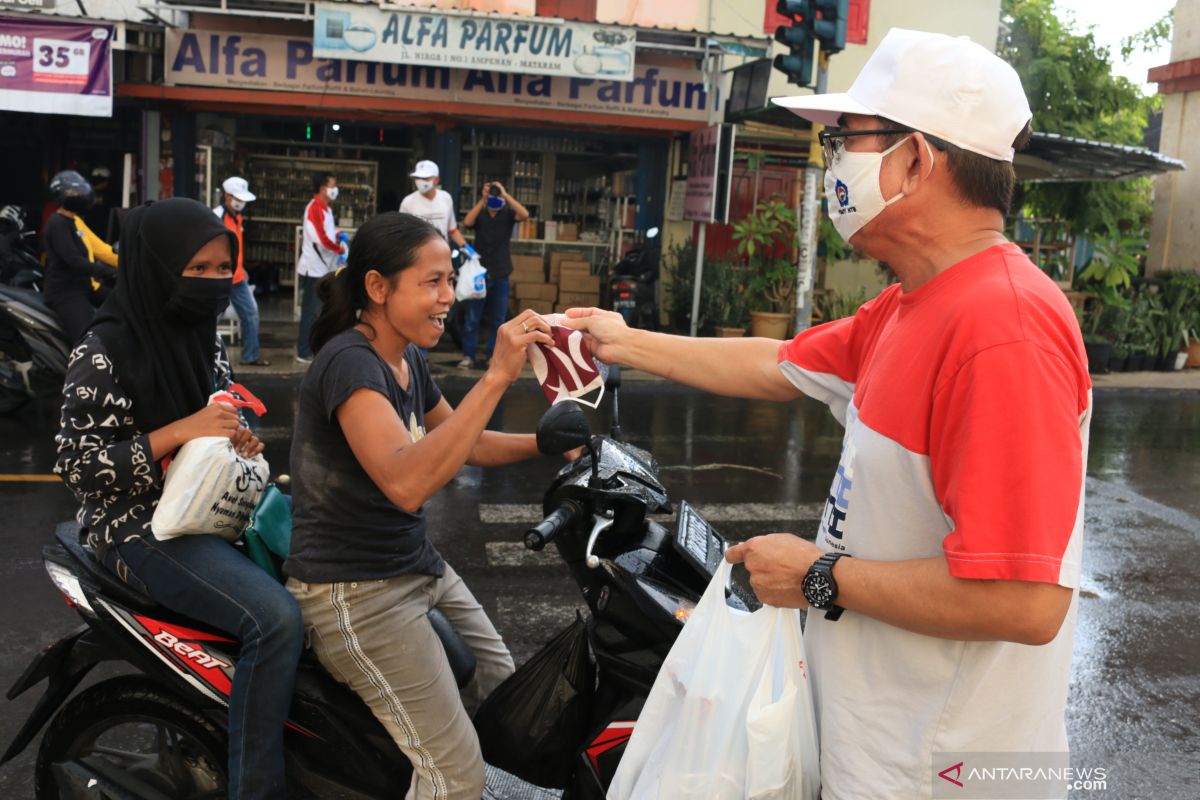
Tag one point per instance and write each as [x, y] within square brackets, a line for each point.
[533, 723]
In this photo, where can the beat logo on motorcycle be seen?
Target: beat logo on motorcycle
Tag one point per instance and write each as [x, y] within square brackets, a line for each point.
[186, 650]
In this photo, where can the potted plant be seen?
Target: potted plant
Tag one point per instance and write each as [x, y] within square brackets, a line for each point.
[1097, 346]
[1180, 292]
[766, 245]
[730, 300]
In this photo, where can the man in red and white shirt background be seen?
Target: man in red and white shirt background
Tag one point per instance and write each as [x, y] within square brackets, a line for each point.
[236, 195]
[321, 250]
[943, 583]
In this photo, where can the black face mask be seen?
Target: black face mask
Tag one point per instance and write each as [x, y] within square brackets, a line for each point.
[199, 299]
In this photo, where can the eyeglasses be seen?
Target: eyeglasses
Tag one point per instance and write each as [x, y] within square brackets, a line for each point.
[833, 142]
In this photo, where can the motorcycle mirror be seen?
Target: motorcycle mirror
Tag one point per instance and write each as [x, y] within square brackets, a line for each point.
[612, 385]
[613, 381]
[562, 428]
[652, 233]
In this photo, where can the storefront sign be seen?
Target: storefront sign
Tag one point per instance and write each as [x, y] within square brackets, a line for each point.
[709, 161]
[53, 67]
[535, 46]
[39, 4]
[279, 63]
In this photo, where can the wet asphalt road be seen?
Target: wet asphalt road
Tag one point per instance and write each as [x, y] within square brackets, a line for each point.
[1135, 690]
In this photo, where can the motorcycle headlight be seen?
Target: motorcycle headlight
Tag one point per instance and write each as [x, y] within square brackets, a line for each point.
[69, 585]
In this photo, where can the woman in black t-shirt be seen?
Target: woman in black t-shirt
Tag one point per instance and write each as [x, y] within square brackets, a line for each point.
[374, 441]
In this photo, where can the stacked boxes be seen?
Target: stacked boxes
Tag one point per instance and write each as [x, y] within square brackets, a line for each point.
[577, 286]
[529, 286]
[569, 284]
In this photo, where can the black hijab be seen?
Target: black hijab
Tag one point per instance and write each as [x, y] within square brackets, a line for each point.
[164, 361]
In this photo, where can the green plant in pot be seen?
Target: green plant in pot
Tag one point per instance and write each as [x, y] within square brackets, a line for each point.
[730, 299]
[1180, 292]
[766, 245]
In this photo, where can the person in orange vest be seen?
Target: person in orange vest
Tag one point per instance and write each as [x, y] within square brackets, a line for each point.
[237, 195]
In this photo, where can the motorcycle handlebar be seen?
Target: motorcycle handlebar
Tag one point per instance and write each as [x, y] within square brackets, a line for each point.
[559, 520]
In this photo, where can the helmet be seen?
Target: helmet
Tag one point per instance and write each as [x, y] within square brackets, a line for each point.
[101, 173]
[14, 215]
[72, 191]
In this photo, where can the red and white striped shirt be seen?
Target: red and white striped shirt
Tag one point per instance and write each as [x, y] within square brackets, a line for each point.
[967, 405]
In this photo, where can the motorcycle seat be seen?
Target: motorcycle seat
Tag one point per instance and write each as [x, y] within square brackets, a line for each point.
[68, 534]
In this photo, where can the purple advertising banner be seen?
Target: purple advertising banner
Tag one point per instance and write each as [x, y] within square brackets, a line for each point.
[53, 67]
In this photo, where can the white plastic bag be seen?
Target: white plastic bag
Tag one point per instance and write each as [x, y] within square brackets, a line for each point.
[472, 281]
[209, 488]
[730, 714]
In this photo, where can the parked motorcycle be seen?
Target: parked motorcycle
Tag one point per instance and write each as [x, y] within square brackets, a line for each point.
[19, 265]
[633, 283]
[158, 733]
[33, 349]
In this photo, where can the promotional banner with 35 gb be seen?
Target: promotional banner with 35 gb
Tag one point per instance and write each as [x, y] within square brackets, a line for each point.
[53, 67]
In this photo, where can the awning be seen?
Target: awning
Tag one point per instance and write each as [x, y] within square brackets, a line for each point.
[1051, 158]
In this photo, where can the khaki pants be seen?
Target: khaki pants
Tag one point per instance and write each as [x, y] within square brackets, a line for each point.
[374, 637]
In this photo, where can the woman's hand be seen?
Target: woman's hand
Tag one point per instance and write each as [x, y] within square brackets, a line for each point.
[215, 419]
[246, 444]
[512, 340]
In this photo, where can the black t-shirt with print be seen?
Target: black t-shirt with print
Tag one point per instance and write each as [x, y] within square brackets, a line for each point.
[343, 527]
[493, 236]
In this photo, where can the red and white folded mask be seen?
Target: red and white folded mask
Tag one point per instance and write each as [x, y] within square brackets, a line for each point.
[567, 370]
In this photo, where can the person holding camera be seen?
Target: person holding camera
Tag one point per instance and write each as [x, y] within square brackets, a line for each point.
[492, 218]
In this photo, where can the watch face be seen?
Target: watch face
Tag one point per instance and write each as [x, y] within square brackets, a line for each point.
[818, 591]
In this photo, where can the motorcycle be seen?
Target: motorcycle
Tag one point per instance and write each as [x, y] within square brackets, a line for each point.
[34, 351]
[19, 265]
[159, 733]
[633, 286]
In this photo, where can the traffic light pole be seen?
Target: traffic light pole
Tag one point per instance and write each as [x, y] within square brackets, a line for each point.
[809, 212]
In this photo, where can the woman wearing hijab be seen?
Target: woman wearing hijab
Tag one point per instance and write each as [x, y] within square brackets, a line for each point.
[137, 389]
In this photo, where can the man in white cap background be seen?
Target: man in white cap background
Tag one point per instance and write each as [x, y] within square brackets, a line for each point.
[431, 203]
[236, 194]
[942, 586]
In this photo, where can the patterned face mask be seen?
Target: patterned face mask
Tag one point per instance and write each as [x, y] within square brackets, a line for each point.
[567, 370]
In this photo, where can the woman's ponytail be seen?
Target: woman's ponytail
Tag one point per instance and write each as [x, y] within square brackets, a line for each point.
[387, 243]
[338, 308]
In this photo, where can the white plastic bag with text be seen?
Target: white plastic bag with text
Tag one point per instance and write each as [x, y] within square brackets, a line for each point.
[209, 487]
[472, 281]
[730, 715]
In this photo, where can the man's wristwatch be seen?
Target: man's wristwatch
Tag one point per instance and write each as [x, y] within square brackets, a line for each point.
[820, 589]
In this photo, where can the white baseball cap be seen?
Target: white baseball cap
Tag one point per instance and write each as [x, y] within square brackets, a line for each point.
[237, 187]
[425, 169]
[945, 86]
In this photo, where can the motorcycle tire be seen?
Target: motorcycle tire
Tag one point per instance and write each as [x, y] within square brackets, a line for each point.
[188, 757]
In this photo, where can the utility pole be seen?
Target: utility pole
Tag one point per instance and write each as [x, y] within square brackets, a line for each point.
[821, 23]
[809, 212]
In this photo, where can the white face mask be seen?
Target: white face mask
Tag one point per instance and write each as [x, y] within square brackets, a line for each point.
[237, 205]
[424, 186]
[852, 189]
[331, 193]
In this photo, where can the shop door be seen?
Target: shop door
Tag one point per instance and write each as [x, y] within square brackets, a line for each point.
[783, 184]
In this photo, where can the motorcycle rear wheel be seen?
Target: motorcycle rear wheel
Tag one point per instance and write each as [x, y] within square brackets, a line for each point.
[135, 730]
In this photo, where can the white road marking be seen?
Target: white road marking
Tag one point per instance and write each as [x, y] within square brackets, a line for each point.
[521, 513]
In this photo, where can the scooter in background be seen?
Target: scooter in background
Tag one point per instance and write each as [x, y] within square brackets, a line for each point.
[633, 284]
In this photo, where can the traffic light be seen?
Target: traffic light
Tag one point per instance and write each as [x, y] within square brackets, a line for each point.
[798, 64]
[829, 24]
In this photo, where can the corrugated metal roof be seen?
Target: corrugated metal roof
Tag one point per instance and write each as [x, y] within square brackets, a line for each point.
[1054, 158]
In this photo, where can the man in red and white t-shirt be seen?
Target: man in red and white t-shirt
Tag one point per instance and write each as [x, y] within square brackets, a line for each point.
[943, 582]
[321, 248]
